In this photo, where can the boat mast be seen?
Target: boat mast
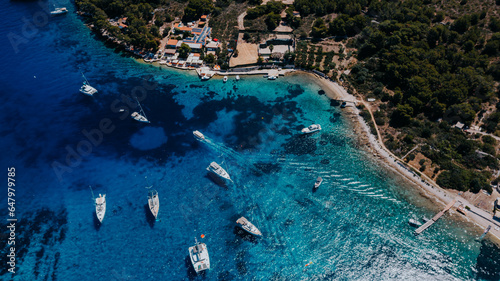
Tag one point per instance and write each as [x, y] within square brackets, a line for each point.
[86, 81]
[142, 111]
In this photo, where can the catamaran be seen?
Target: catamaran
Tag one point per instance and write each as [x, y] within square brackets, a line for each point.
[199, 135]
[311, 129]
[248, 226]
[86, 88]
[100, 207]
[140, 116]
[217, 170]
[199, 256]
[59, 11]
[154, 202]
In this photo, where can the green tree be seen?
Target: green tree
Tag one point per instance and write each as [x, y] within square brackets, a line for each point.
[196, 8]
[184, 50]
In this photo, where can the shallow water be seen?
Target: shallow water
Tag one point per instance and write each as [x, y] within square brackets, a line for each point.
[353, 228]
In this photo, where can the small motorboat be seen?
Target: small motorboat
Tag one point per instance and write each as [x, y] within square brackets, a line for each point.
[198, 135]
[271, 77]
[318, 182]
[414, 223]
[59, 11]
[100, 207]
[237, 78]
[311, 129]
[225, 79]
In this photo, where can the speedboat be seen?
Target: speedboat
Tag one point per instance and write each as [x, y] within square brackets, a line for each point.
[237, 78]
[59, 11]
[199, 135]
[205, 77]
[271, 77]
[199, 256]
[248, 226]
[225, 79]
[318, 182]
[154, 202]
[100, 207]
[216, 169]
[414, 223]
[311, 129]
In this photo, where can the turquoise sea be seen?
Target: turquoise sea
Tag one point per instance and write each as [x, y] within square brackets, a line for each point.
[354, 227]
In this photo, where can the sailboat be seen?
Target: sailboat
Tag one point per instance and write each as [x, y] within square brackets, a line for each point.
[140, 116]
[248, 226]
[154, 202]
[100, 207]
[86, 88]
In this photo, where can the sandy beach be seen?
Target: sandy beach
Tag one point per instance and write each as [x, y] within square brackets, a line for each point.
[427, 186]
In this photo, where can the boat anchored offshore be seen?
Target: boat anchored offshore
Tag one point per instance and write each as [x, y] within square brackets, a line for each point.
[311, 129]
[198, 135]
[237, 78]
[199, 256]
[248, 226]
[216, 169]
[225, 79]
[59, 11]
[318, 182]
[140, 116]
[154, 202]
[86, 88]
[100, 207]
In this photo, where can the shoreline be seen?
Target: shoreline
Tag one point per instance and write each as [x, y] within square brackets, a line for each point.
[428, 188]
[372, 144]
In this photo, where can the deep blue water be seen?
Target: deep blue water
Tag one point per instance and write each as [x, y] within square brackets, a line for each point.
[353, 228]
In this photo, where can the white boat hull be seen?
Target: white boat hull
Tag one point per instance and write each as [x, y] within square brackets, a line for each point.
[199, 257]
[248, 226]
[154, 203]
[100, 207]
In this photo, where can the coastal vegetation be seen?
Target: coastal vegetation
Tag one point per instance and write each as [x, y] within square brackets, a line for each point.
[432, 67]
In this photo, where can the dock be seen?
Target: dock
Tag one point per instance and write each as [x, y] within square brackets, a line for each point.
[435, 218]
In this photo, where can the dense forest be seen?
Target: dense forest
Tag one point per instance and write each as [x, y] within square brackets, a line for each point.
[429, 74]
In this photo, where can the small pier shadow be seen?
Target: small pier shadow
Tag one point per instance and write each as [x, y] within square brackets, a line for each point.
[190, 270]
[245, 236]
[97, 223]
[149, 216]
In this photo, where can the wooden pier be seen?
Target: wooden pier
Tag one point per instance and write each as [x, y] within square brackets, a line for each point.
[435, 218]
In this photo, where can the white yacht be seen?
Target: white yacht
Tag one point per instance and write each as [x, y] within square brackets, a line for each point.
[214, 168]
[59, 11]
[205, 77]
[199, 256]
[86, 88]
[199, 135]
[311, 129]
[225, 79]
[140, 116]
[318, 182]
[100, 207]
[154, 202]
[248, 226]
[271, 77]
